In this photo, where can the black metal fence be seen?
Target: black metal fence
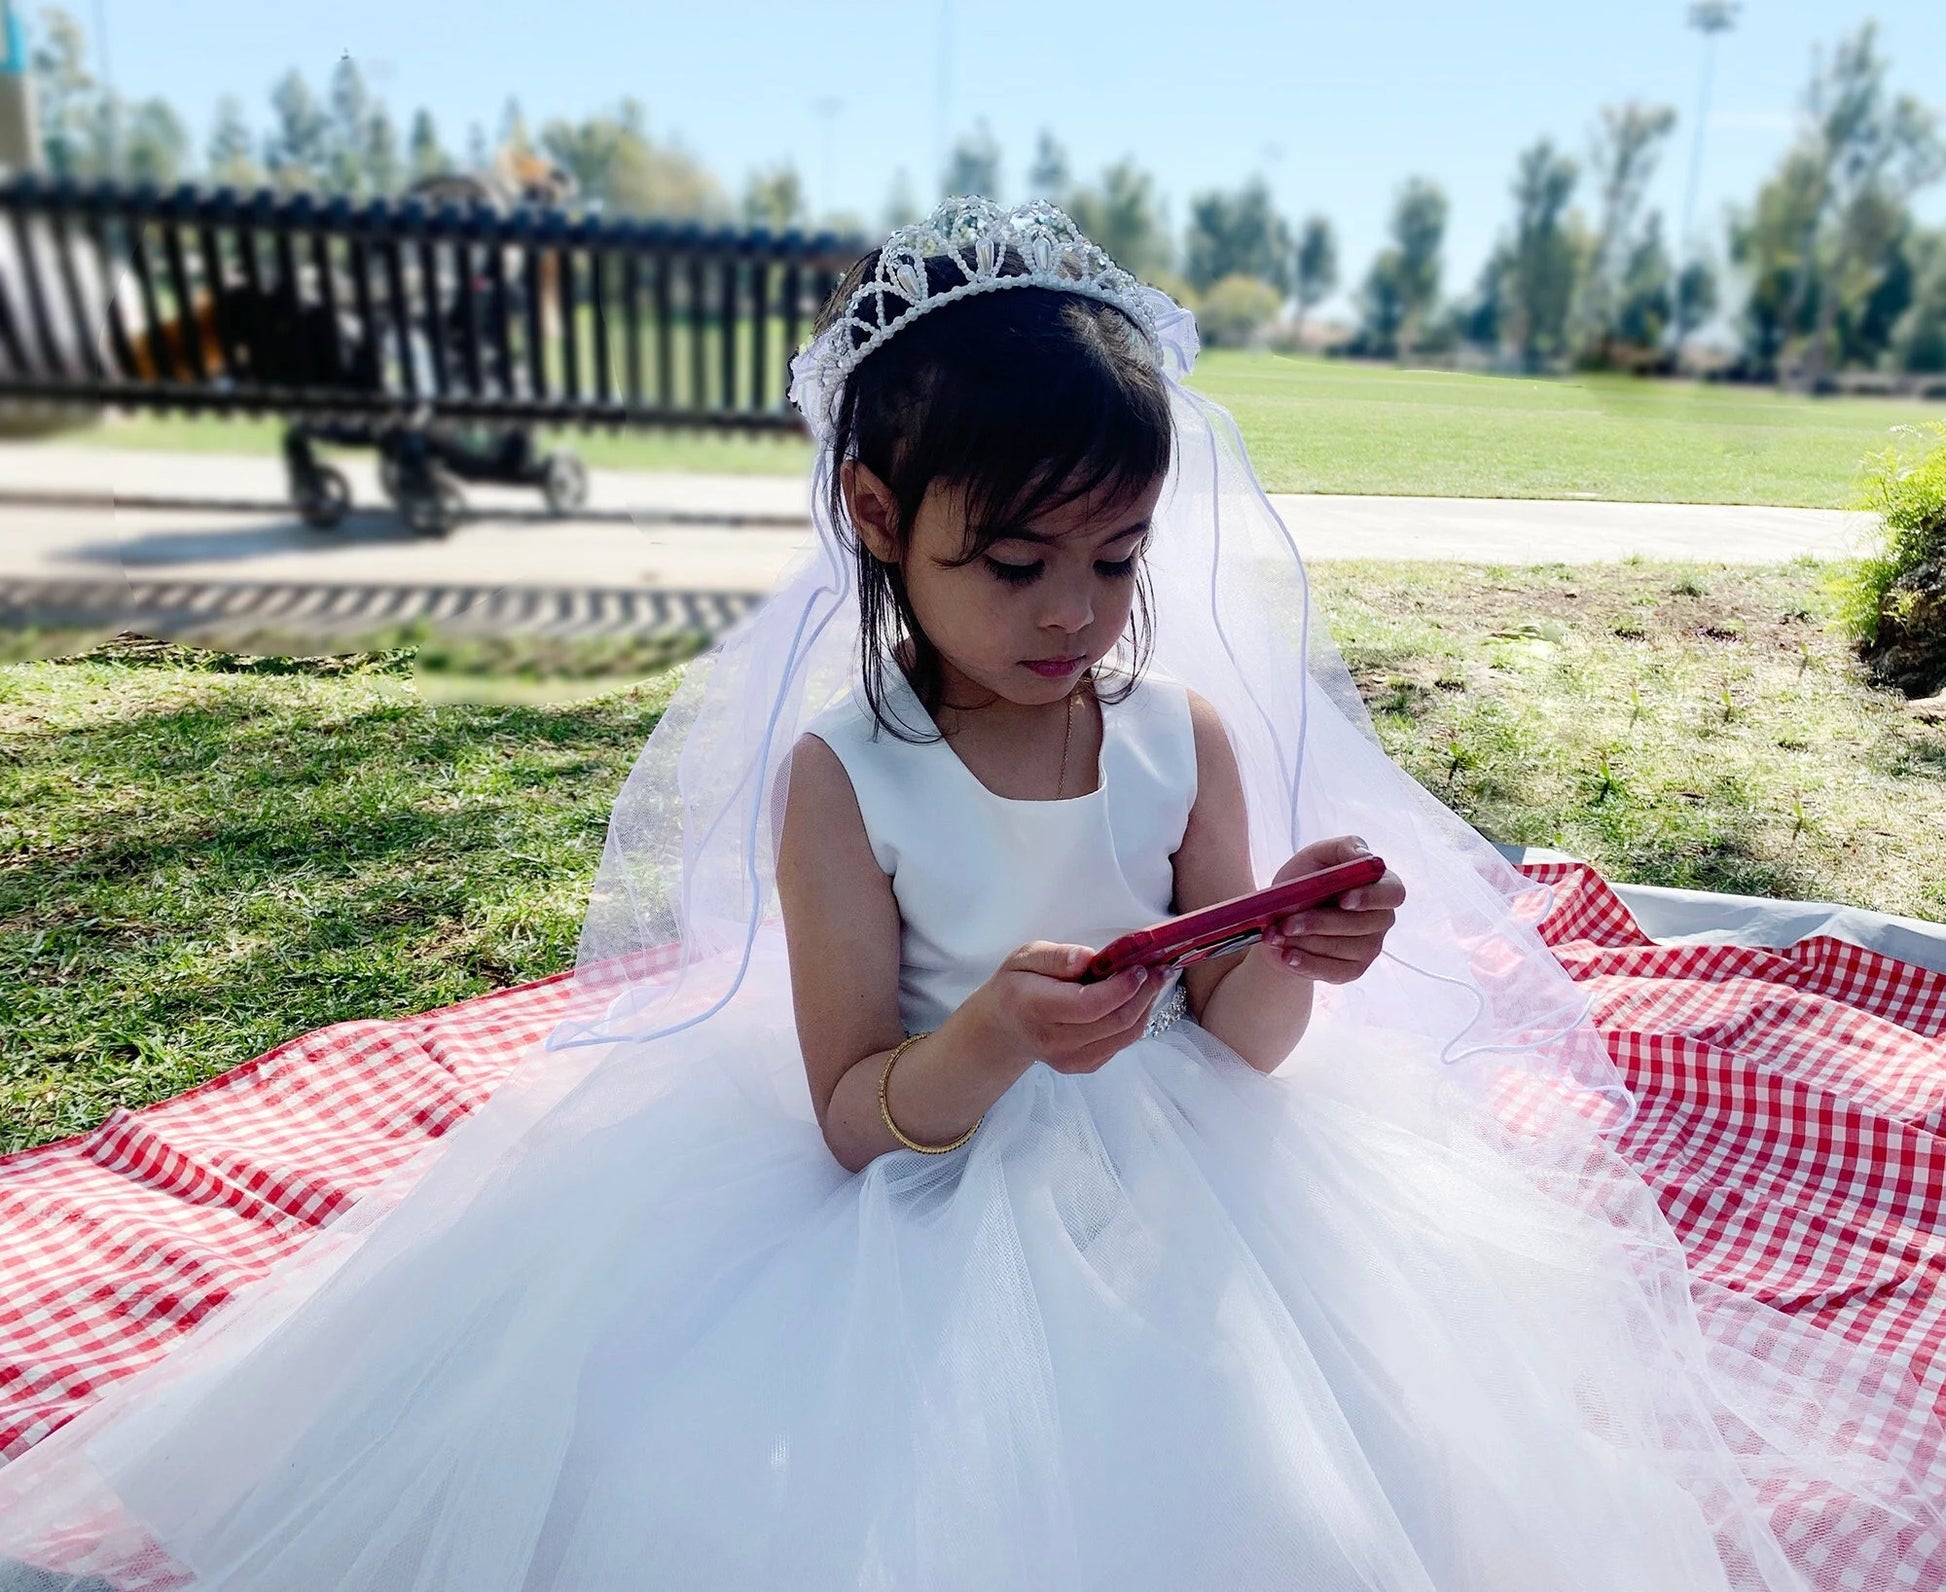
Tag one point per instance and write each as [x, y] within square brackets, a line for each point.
[268, 304]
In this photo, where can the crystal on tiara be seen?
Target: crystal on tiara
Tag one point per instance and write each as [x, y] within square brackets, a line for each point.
[989, 244]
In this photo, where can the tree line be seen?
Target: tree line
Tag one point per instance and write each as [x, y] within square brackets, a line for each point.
[1828, 266]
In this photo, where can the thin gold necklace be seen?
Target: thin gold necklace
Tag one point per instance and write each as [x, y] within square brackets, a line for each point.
[1061, 784]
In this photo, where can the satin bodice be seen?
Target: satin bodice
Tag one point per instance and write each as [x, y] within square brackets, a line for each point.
[976, 874]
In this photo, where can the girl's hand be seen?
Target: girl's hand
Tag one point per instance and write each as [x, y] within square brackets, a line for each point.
[1039, 1013]
[1333, 944]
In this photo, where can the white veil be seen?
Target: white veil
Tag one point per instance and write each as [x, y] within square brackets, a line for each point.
[686, 886]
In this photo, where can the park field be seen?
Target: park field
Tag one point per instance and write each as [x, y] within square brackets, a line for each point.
[1316, 425]
[203, 854]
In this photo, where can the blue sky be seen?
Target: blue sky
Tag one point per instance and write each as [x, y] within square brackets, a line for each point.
[1335, 105]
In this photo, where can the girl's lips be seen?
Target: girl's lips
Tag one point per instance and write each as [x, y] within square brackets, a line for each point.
[1054, 668]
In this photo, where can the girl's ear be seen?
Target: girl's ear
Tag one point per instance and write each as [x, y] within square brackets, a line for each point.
[873, 510]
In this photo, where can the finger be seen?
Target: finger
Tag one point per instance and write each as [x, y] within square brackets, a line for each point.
[1326, 967]
[1336, 923]
[1114, 1029]
[1387, 891]
[1122, 1002]
[1050, 959]
[1066, 1007]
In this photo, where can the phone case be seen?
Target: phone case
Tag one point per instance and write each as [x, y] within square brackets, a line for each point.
[1227, 925]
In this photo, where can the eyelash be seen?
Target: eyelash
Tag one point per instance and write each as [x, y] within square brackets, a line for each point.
[1026, 574]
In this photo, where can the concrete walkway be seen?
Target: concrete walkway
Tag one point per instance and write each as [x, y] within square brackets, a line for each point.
[178, 540]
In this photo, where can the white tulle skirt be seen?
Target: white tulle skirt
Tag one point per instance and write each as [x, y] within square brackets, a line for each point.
[1173, 1325]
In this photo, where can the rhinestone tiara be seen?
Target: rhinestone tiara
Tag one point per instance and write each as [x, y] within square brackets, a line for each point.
[989, 243]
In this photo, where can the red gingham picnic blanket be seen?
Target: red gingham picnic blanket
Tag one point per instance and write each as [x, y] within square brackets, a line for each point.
[1790, 1124]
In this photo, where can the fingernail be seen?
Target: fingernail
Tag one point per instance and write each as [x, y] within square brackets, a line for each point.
[1353, 899]
[1358, 845]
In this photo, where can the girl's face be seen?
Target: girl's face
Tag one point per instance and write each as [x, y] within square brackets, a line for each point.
[1024, 618]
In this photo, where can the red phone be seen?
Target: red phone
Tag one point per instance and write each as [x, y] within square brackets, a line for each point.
[1228, 925]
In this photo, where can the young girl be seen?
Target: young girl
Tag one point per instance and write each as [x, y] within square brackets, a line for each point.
[870, 1249]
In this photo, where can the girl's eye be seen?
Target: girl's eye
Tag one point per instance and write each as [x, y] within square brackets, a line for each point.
[1014, 574]
[1121, 569]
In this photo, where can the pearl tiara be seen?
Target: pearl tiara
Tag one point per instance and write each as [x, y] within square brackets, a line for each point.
[989, 244]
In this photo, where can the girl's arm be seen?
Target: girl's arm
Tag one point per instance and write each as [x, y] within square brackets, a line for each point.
[841, 928]
[1258, 1001]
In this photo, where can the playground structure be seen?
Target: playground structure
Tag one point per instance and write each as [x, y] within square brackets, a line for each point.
[444, 336]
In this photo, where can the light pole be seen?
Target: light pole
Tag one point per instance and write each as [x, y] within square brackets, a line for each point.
[1709, 18]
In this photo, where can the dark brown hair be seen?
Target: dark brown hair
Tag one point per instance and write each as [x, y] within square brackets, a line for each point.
[1027, 399]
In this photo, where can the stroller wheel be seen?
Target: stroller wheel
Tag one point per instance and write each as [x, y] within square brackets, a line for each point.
[322, 496]
[564, 483]
[434, 513]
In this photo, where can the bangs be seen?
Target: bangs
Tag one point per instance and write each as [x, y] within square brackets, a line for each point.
[1025, 402]
[1023, 436]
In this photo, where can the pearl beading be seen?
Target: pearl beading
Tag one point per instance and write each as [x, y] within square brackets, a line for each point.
[987, 243]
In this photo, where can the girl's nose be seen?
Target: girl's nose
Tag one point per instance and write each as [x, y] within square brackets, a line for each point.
[1072, 611]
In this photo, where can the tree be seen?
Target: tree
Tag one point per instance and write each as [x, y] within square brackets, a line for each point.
[1644, 302]
[513, 128]
[344, 139]
[774, 199]
[1235, 310]
[616, 164]
[1048, 178]
[1770, 245]
[1317, 265]
[1919, 339]
[901, 209]
[974, 166]
[424, 157]
[1696, 294]
[1402, 287]
[1865, 155]
[67, 98]
[383, 165]
[1622, 159]
[156, 147]
[299, 147]
[232, 153]
[1122, 215]
[1542, 257]
[1238, 234]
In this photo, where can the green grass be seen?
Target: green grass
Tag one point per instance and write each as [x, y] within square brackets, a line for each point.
[202, 854]
[1688, 725]
[1318, 425]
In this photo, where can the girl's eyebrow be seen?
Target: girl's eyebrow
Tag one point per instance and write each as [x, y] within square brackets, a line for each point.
[1022, 534]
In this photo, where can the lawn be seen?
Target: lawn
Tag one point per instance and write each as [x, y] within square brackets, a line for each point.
[1317, 425]
[202, 855]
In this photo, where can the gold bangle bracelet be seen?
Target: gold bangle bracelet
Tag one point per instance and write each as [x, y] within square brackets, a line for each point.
[885, 1107]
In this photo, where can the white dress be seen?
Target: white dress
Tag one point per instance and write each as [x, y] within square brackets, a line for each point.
[1172, 1325]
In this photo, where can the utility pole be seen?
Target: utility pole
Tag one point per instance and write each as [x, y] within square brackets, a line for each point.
[1709, 18]
[20, 145]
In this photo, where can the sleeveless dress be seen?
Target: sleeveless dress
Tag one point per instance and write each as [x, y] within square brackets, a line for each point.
[1171, 1325]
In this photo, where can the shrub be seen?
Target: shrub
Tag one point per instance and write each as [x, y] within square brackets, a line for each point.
[1236, 309]
[1892, 601]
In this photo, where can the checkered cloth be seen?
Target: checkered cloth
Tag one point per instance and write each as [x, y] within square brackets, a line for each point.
[1790, 1124]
